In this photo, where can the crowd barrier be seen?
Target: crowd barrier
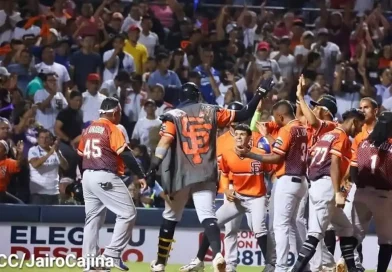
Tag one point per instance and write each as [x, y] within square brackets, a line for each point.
[58, 231]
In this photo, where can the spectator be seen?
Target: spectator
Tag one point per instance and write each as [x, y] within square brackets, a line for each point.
[146, 131]
[23, 70]
[110, 31]
[37, 83]
[136, 49]
[92, 99]
[63, 79]
[133, 18]
[8, 18]
[87, 23]
[44, 161]
[149, 39]
[302, 50]
[162, 74]
[234, 85]
[112, 87]
[68, 129]
[330, 54]
[49, 102]
[207, 71]
[263, 62]
[284, 59]
[9, 167]
[85, 62]
[157, 93]
[116, 59]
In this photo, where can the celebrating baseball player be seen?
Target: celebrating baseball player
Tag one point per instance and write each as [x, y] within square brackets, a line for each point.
[289, 155]
[245, 196]
[224, 142]
[104, 153]
[187, 152]
[330, 160]
[372, 173]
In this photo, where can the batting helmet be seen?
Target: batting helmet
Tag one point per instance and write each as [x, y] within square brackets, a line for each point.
[189, 91]
[235, 106]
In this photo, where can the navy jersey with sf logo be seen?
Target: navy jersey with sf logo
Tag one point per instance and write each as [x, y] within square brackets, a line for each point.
[192, 157]
[374, 165]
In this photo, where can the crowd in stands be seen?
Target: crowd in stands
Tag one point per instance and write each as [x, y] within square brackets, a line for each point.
[61, 58]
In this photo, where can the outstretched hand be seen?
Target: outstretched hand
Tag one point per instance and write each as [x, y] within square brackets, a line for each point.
[266, 85]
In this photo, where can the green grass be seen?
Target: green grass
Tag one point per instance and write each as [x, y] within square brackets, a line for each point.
[134, 267]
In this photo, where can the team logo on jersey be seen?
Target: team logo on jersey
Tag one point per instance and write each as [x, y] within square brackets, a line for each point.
[255, 167]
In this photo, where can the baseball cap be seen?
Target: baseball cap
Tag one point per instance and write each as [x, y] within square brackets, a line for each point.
[149, 102]
[4, 72]
[322, 31]
[326, 103]
[307, 34]
[263, 46]
[299, 22]
[93, 77]
[117, 15]
[133, 28]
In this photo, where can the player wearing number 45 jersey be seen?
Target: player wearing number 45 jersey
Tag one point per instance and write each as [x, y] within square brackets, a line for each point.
[104, 153]
[187, 152]
[371, 171]
[330, 160]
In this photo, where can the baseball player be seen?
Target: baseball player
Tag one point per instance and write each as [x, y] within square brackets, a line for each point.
[187, 152]
[245, 196]
[330, 160]
[289, 153]
[224, 142]
[318, 121]
[372, 173]
[104, 153]
[369, 107]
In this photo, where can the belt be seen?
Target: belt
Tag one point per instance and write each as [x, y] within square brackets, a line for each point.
[101, 170]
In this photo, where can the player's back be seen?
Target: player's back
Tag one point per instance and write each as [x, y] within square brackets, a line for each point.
[292, 143]
[96, 148]
[194, 159]
[374, 165]
[335, 142]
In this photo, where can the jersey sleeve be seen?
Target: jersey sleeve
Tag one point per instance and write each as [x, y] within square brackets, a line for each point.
[13, 166]
[338, 147]
[282, 142]
[225, 177]
[168, 129]
[117, 140]
[224, 117]
[354, 152]
[81, 146]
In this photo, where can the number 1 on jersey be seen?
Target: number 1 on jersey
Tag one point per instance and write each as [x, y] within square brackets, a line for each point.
[373, 163]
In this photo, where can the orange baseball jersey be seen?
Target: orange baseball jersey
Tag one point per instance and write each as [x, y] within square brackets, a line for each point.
[292, 143]
[357, 140]
[246, 174]
[101, 145]
[315, 134]
[225, 142]
[335, 142]
[8, 167]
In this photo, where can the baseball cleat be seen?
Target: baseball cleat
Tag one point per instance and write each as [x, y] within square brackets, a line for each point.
[219, 263]
[117, 263]
[230, 268]
[341, 266]
[194, 266]
[154, 267]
